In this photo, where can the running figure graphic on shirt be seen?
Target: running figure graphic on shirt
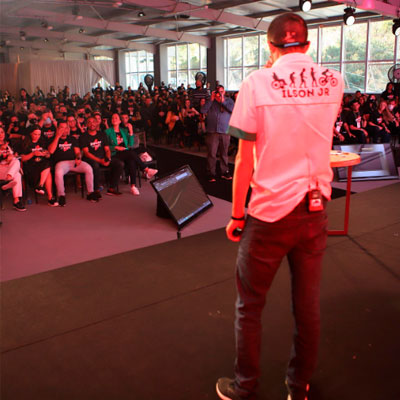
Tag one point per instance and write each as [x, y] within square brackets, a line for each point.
[278, 83]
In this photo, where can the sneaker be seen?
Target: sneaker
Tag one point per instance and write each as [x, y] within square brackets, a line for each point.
[98, 194]
[92, 197]
[227, 176]
[19, 206]
[39, 189]
[150, 173]
[113, 192]
[61, 201]
[9, 185]
[135, 191]
[297, 393]
[212, 178]
[52, 202]
[226, 389]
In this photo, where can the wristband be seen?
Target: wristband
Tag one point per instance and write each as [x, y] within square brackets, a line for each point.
[238, 219]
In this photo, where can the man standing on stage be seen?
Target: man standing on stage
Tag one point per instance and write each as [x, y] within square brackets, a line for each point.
[285, 140]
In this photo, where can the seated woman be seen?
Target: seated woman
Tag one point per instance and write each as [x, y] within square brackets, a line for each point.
[121, 143]
[190, 116]
[9, 171]
[36, 163]
[377, 123]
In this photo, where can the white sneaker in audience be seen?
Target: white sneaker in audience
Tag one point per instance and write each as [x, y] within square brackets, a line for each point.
[135, 191]
[150, 173]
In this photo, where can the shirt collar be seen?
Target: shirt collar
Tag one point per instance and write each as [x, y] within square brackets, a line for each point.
[291, 58]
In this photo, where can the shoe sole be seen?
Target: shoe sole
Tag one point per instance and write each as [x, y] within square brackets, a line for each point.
[227, 179]
[221, 396]
[40, 192]
[19, 209]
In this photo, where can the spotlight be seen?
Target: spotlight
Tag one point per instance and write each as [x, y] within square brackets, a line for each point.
[21, 48]
[22, 35]
[141, 14]
[396, 27]
[348, 16]
[117, 4]
[81, 30]
[45, 40]
[305, 5]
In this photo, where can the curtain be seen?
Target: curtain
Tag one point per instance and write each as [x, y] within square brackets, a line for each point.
[80, 76]
[8, 78]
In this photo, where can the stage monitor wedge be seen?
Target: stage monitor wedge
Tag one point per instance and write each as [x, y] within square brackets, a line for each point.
[377, 162]
[182, 195]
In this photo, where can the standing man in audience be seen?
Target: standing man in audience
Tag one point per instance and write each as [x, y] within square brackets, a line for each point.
[199, 93]
[218, 111]
[284, 153]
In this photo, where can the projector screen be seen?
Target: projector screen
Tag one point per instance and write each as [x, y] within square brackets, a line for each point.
[182, 195]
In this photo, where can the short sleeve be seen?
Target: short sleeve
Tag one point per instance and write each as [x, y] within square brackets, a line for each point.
[243, 122]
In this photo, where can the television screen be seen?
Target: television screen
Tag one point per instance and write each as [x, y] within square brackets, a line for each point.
[377, 162]
[182, 195]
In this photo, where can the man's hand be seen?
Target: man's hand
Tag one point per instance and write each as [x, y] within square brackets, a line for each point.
[232, 225]
[104, 162]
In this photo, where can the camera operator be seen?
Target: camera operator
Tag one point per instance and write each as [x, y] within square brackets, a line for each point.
[218, 110]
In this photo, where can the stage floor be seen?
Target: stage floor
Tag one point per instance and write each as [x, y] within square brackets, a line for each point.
[156, 323]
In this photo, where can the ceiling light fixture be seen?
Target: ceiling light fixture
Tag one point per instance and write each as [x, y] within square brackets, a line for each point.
[305, 5]
[45, 40]
[22, 35]
[81, 30]
[117, 4]
[396, 27]
[348, 16]
[141, 14]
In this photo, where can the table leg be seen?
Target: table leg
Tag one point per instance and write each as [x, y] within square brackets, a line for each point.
[347, 207]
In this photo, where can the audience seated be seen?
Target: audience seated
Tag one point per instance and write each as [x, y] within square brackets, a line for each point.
[67, 157]
[105, 124]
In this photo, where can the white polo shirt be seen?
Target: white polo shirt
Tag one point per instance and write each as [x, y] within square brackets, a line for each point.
[289, 110]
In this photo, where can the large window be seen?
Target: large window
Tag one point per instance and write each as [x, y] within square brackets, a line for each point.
[363, 53]
[184, 61]
[243, 55]
[137, 65]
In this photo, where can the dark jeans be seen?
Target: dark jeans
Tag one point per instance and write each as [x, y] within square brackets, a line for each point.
[127, 158]
[301, 236]
[214, 142]
[116, 167]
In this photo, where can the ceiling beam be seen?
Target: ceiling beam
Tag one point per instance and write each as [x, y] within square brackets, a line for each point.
[381, 7]
[205, 12]
[112, 26]
[78, 37]
[65, 48]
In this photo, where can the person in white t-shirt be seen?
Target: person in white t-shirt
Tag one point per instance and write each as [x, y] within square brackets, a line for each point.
[283, 117]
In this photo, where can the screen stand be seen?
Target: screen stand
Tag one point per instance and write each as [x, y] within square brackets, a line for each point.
[178, 234]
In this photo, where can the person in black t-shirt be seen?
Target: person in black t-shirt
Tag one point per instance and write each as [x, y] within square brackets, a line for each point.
[377, 126]
[97, 153]
[355, 125]
[74, 129]
[36, 163]
[67, 157]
